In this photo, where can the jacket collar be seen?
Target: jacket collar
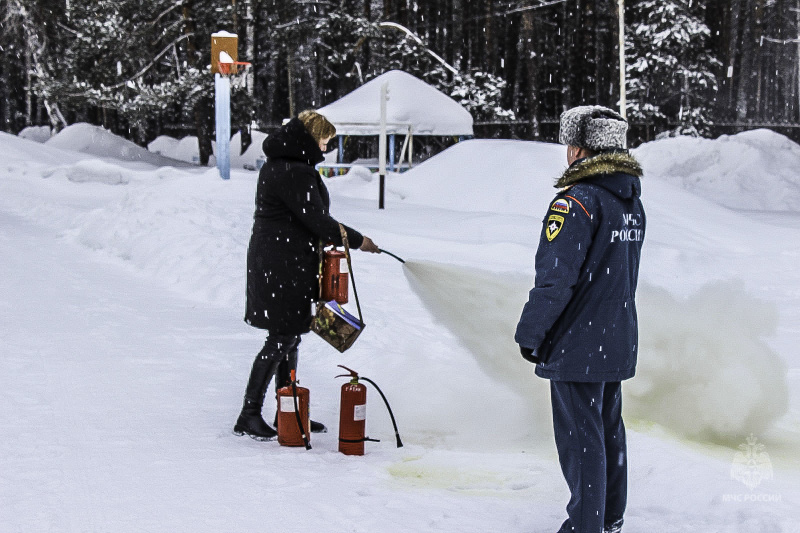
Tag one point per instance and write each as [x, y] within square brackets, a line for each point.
[603, 164]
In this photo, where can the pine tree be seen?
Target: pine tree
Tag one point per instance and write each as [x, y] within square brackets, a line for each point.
[479, 91]
[671, 73]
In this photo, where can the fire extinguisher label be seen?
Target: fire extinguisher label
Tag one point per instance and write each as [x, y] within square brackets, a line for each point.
[343, 265]
[287, 404]
[360, 412]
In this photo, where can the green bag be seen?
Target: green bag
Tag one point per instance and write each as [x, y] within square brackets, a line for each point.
[331, 321]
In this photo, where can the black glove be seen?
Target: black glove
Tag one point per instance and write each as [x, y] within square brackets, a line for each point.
[528, 355]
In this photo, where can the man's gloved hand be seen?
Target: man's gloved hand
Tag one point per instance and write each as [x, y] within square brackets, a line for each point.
[528, 355]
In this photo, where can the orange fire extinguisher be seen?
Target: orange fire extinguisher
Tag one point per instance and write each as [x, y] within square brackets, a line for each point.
[334, 282]
[293, 415]
[353, 414]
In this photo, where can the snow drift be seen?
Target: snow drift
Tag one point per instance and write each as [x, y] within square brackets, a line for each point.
[704, 370]
[99, 142]
[750, 170]
[187, 149]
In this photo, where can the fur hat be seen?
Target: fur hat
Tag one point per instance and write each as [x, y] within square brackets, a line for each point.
[594, 127]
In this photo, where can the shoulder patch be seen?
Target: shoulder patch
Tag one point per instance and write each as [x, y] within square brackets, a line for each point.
[560, 205]
[554, 225]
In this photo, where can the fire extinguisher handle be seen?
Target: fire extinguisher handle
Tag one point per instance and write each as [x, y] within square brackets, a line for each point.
[394, 423]
[353, 374]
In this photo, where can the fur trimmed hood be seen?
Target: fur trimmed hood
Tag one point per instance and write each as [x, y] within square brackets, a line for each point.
[605, 164]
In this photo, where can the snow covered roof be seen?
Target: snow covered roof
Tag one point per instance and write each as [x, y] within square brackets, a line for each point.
[411, 102]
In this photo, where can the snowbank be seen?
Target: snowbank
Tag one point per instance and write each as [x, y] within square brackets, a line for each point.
[181, 231]
[186, 149]
[19, 151]
[480, 200]
[751, 170]
[166, 145]
[497, 176]
[38, 134]
[100, 142]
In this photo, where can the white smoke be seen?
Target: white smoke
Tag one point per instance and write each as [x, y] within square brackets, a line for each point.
[480, 308]
[704, 371]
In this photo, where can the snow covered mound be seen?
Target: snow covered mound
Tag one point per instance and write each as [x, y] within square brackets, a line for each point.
[186, 229]
[168, 146]
[751, 170]
[40, 134]
[186, 149]
[100, 142]
[28, 152]
[505, 177]
[755, 170]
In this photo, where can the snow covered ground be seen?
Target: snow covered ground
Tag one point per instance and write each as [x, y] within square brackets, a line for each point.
[123, 356]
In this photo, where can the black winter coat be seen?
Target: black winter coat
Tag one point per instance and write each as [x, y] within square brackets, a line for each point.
[291, 218]
[580, 318]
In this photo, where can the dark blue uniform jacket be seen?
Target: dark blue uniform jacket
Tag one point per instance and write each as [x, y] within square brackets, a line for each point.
[580, 318]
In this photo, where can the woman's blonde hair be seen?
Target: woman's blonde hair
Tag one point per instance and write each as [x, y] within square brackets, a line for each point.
[317, 125]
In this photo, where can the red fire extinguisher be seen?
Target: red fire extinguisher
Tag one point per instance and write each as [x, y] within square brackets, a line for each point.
[353, 414]
[293, 415]
[334, 276]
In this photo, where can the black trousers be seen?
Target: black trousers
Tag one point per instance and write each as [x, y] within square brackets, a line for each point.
[590, 438]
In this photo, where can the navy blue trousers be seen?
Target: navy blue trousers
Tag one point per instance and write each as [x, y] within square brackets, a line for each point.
[590, 438]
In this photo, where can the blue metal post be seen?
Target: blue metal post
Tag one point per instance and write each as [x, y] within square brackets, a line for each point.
[222, 94]
[341, 149]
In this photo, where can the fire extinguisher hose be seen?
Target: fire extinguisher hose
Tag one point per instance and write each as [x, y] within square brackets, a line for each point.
[297, 416]
[391, 414]
[356, 441]
[392, 255]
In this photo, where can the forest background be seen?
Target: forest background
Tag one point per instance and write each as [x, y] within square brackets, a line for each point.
[141, 68]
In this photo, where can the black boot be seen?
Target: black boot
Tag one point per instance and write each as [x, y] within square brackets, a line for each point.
[283, 379]
[250, 421]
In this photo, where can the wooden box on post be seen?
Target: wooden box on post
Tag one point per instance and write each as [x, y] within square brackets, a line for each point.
[224, 41]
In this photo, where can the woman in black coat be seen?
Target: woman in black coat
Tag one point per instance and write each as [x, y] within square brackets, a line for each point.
[291, 219]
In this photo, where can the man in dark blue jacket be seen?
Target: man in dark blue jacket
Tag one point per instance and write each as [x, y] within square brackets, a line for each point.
[579, 326]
